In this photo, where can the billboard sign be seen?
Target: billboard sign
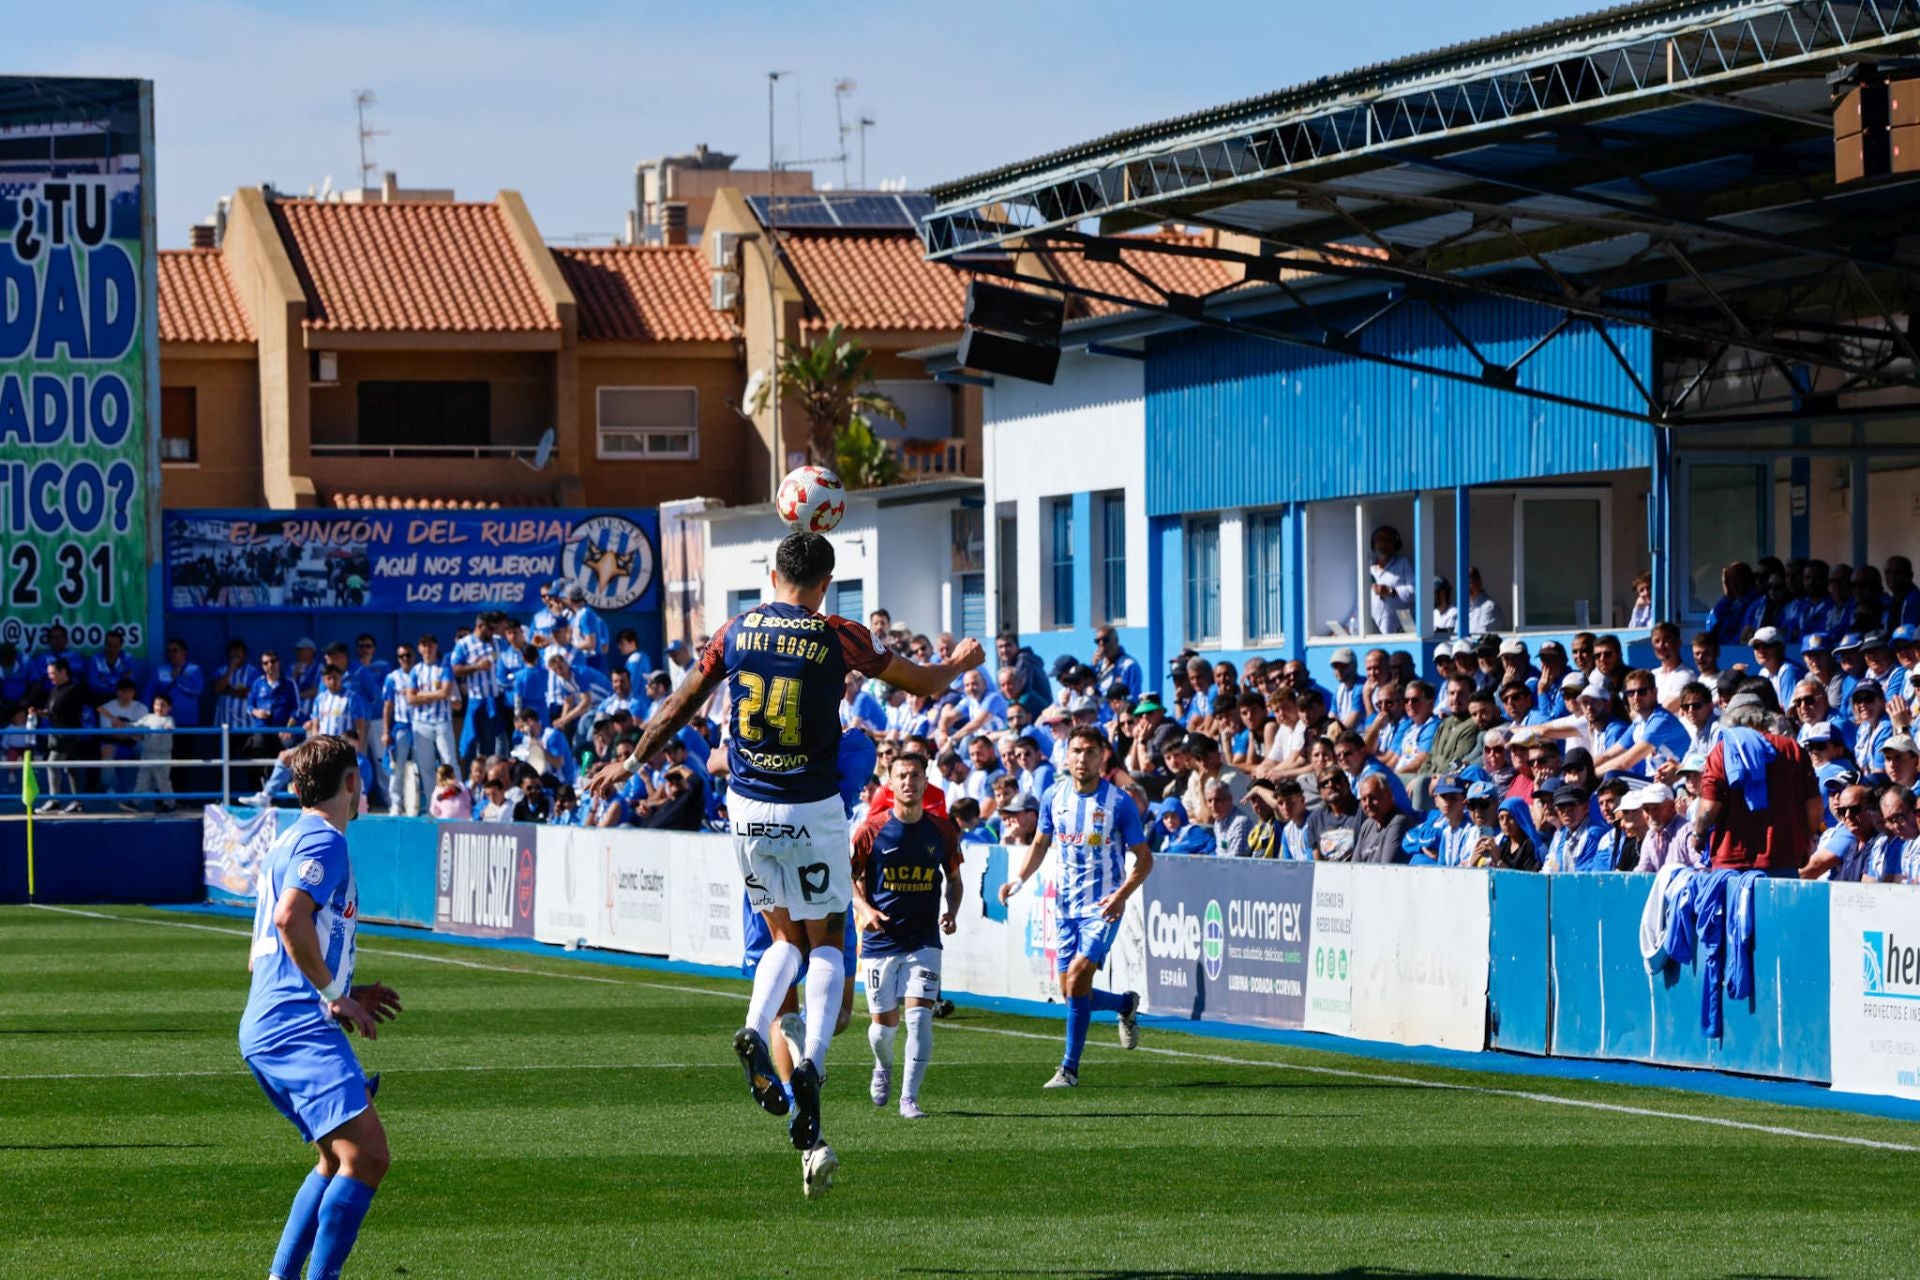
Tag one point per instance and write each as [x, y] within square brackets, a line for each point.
[486, 880]
[1228, 938]
[79, 357]
[409, 561]
[1874, 936]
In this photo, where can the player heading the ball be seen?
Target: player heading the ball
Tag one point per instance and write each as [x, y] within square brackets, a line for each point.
[785, 667]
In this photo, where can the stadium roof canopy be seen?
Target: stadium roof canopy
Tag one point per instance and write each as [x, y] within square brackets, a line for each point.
[1664, 164]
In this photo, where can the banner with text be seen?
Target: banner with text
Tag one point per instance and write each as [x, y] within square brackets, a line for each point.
[705, 919]
[1420, 955]
[1228, 938]
[383, 561]
[1874, 936]
[486, 881]
[78, 357]
[1330, 968]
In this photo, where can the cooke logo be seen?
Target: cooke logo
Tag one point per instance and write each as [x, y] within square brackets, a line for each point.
[1178, 935]
[612, 558]
[1213, 941]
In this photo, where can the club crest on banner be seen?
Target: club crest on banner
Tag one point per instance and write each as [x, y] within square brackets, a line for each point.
[612, 559]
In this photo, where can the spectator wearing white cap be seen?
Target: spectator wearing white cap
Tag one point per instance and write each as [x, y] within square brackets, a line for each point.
[1349, 695]
[1770, 648]
[1902, 758]
[1595, 723]
[1548, 693]
[1670, 674]
[1665, 842]
[1514, 664]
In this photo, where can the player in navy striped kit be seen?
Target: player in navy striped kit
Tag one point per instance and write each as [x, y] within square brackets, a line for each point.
[785, 667]
[1095, 825]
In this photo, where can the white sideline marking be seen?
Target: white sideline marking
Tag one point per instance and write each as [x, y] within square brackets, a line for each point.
[1524, 1095]
[408, 1071]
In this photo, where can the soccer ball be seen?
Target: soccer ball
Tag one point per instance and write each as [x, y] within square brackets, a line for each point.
[811, 500]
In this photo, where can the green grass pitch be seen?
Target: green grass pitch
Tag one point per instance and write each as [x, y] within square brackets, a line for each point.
[556, 1118]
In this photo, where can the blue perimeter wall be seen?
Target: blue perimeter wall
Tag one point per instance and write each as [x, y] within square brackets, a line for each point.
[1566, 976]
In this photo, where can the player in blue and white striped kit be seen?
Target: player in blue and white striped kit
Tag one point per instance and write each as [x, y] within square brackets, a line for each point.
[302, 997]
[1096, 825]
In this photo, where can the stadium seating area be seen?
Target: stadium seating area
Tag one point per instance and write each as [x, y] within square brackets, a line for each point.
[1506, 754]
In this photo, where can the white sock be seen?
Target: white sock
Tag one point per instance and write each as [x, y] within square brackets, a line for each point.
[771, 982]
[880, 1040]
[825, 977]
[919, 1049]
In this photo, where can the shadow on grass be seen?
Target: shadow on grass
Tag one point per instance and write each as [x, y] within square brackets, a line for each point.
[1345, 1273]
[103, 1031]
[1151, 1115]
[104, 1146]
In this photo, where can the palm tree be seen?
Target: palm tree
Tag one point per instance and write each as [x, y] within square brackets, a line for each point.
[834, 383]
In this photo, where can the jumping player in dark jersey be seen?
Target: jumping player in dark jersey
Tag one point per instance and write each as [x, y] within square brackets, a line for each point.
[785, 666]
[899, 867]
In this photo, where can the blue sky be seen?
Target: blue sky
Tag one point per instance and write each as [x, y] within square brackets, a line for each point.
[561, 100]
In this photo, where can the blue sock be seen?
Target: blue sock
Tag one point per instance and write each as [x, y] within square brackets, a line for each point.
[341, 1212]
[296, 1240]
[1107, 1001]
[1079, 1014]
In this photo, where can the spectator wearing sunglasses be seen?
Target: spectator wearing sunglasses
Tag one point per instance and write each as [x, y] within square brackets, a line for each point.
[1845, 852]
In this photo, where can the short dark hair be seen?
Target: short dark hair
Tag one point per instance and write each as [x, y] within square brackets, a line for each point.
[1089, 733]
[320, 767]
[1288, 787]
[804, 560]
[965, 809]
[428, 638]
[910, 757]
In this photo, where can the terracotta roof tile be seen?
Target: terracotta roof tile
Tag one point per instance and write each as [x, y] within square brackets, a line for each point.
[649, 293]
[1172, 272]
[422, 502]
[875, 281]
[197, 299]
[435, 267]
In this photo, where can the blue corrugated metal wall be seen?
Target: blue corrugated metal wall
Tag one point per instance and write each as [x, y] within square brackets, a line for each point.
[1241, 422]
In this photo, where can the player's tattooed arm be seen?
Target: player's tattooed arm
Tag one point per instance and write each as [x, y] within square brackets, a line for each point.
[669, 718]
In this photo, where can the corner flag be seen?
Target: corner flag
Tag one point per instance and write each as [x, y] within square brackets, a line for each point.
[29, 794]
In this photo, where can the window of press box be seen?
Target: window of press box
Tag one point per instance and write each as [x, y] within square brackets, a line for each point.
[1546, 555]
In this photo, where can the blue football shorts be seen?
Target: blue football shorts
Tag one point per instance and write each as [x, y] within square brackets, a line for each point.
[1088, 938]
[758, 938]
[313, 1079]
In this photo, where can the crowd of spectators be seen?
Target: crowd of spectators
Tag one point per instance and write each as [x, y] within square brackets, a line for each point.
[1509, 754]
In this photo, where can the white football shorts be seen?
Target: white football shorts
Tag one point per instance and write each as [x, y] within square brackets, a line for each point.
[795, 856]
[909, 975]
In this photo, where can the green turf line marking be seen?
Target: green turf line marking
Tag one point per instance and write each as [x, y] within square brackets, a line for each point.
[1488, 1090]
[1223, 1059]
[490, 1068]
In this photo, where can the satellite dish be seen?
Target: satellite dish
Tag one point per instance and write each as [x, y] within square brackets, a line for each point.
[542, 452]
[756, 387]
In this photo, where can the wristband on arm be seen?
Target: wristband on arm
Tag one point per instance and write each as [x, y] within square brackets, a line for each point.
[333, 990]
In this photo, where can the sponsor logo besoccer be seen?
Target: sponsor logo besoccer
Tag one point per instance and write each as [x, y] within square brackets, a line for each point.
[1213, 941]
[1889, 968]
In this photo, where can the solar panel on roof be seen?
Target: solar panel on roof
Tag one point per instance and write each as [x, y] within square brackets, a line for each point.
[851, 210]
